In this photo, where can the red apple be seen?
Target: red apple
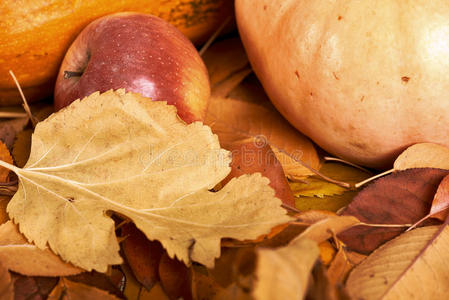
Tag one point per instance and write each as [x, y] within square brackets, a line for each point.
[140, 53]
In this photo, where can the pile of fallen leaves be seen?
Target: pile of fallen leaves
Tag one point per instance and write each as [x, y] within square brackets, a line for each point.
[114, 197]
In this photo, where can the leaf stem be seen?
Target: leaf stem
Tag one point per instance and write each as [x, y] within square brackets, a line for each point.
[214, 36]
[12, 115]
[385, 225]
[25, 103]
[358, 185]
[8, 166]
[328, 158]
[334, 181]
[290, 208]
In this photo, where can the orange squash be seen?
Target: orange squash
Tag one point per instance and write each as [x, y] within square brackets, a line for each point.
[363, 79]
[36, 34]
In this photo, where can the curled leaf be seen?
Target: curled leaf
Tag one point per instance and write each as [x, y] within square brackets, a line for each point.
[412, 266]
[440, 202]
[423, 155]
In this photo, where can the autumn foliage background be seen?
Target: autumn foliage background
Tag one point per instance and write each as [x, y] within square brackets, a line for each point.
[319, 232]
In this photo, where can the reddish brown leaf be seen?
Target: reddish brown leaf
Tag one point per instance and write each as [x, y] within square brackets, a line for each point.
[204, 286]
[22, 147]
[36, 288]
[99, 281]
[225, 58]
[252, 156]
[403, 197]
[142, 255]
[6, 284]
[4, 200]
[321, 287]
[440, 202]
[175, 278]
[9, 129]
[5, 156]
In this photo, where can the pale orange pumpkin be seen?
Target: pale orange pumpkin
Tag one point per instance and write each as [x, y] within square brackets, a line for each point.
[34, 35]
[363, 79]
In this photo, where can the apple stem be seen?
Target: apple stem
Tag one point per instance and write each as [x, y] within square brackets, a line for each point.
[70, 74]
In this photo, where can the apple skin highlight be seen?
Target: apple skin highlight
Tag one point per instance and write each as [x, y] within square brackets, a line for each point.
[140, 53]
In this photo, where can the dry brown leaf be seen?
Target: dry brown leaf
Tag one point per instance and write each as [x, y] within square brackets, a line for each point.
[324, 229]
[424, 155]
[233, 291]
[318, 187]
[440, 202]
[339, 268]
[70, 290]
[22, 147]
[175, 278]
[249, 157]
[327, 252]
[225, 58]
[22, 257]
[223, 88]
[204, 286]
[111, 281]
[3, 214]
[313, 216]
[233, 119]
[5, 156]
[10, 128]
[132, 286]
[33, 287]
[403, 197]
[414, 265]
[6, 284]
[156, 293]
[322, 288]
[121, 152]
[283, 273]
[141, 254]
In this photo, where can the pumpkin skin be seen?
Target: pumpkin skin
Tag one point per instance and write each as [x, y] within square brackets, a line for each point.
[36, 34]
[363, 79]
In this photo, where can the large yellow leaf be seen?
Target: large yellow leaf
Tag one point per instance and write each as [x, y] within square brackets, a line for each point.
[124, 153]
[414, 265]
